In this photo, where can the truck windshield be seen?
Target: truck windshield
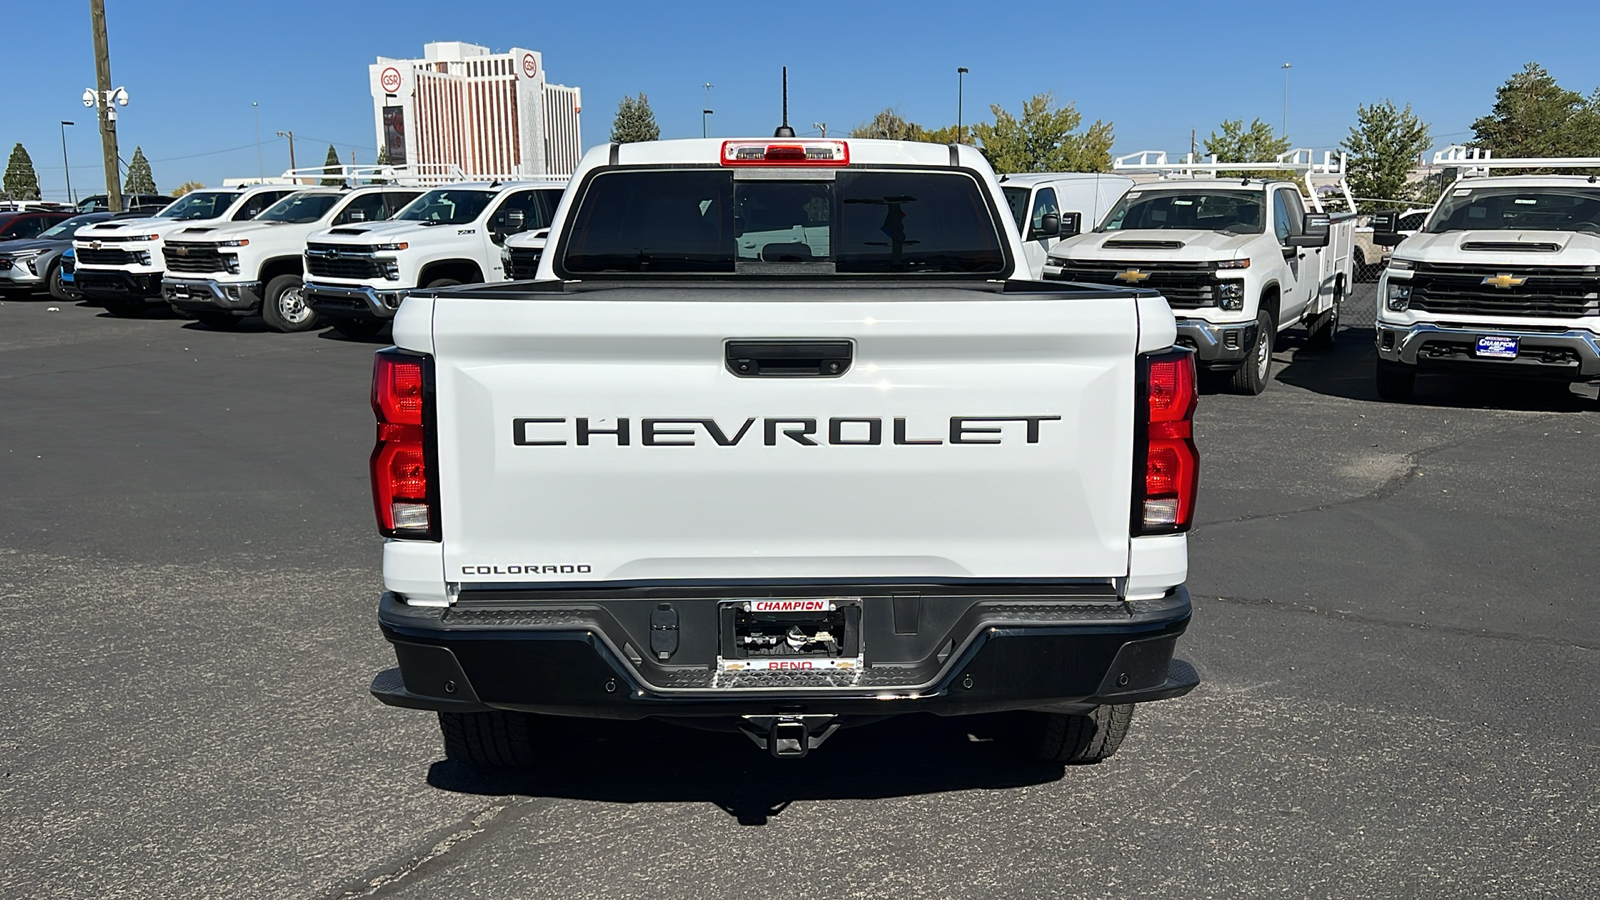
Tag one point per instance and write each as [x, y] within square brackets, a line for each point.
[299, 208]
[857, 222]
[1232, 212]
[1522, 209]
[446, 206]
[200, 205]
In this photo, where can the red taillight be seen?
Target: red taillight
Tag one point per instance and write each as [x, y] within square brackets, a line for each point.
[401, 494]
[1166, 463]
[785, 153]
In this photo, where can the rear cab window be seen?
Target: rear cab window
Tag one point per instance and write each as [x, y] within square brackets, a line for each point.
[713, 221]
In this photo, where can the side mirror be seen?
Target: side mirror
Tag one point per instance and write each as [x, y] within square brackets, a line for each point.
[1386, 229]
[1071, 224]
[515, 220]
[1314, 230]
[1049, 226]
[358, 215]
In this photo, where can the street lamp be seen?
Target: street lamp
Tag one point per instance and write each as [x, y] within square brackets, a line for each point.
[961, 75]
[705, 114]
[290, 136]
[67, 167]
[261, 166]
[1286, 67]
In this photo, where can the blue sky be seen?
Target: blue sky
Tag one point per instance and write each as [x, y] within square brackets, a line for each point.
[1155, 69]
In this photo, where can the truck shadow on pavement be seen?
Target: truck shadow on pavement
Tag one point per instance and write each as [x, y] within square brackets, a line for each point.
[1347, 371]
[654, 762]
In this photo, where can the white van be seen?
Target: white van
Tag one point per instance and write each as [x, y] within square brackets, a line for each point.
[1051, 206]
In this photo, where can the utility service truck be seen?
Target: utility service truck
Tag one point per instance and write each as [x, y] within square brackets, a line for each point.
[120, 263]
[357, 275]
[1240, 259]
[783, 437]
[1502, 279]
[223, 272]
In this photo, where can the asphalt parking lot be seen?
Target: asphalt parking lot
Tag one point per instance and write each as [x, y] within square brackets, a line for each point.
[1394, 625]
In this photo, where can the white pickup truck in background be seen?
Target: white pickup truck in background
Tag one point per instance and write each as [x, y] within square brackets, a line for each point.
[222, 273]
[119, 264]
[1239, 259]
[357, 275]
[783, 436]
[1500, 280]
[1053, 206]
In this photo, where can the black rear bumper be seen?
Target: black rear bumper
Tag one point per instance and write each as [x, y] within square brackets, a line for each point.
[928, 649]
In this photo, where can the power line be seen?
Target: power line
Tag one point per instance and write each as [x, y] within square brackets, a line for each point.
[212, 152]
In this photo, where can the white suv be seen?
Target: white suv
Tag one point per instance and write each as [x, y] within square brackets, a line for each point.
[223, 273]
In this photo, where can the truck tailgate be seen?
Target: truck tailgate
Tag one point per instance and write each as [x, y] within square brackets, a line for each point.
[974, 435]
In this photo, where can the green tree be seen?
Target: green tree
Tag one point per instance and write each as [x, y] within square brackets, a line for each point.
[21, 182]
[139, 180]
[1383, 149]
[1534, 116]
[1044, 139]
[186, 187]
[330, 166]
[635, 121]
[889, 125]
[1258, 143]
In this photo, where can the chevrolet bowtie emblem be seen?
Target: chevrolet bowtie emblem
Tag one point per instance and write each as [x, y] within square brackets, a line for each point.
[1132, 276]
[182, 251]
[1504, 281]
[94, 245]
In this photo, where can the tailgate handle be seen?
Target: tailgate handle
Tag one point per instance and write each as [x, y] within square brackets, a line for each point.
[789, 359]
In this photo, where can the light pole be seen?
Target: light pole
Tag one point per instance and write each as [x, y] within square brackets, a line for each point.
[705, 114]
[290, 136]
[821, 126]
[961, 75]
[65, 166]
[261, 166]
[1286, 67]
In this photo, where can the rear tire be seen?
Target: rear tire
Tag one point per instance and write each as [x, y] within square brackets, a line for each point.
[284, 307]
[1325, 332]
[1075, 739]
[125, 307]
[1396, 382]
[442, 283]
[357, 329]
[219, 321]
[489, 740]
[1251, 378]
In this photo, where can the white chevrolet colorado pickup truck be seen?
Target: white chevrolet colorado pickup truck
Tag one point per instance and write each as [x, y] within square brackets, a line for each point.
[779, 438]
[225, 272]
[119, 264]
[1240, 260]
[1501, 279]
[358, 275]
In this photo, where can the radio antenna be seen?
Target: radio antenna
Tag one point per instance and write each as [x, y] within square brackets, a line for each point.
[784, 131]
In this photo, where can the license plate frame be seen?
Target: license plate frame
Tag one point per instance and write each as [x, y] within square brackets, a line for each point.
[737, 617]
[1497, 346]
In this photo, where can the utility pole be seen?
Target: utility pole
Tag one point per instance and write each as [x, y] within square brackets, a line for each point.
[1191, 144]
[705, 114]
[290, 136]
[108, 117]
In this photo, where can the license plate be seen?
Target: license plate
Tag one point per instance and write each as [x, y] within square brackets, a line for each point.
[1497, 347]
